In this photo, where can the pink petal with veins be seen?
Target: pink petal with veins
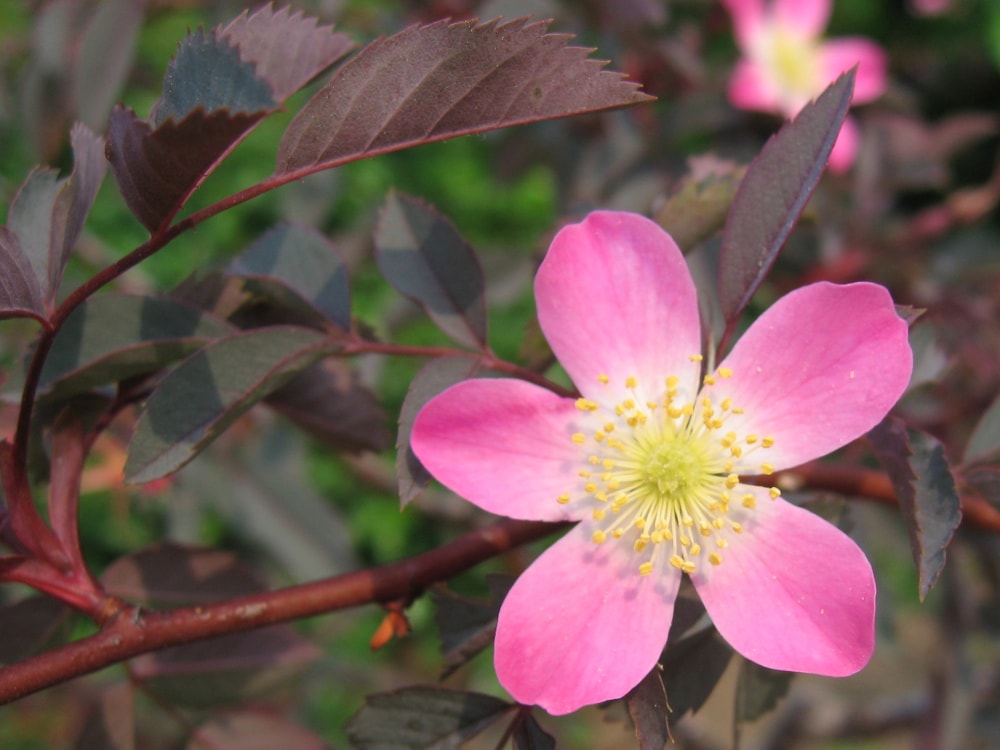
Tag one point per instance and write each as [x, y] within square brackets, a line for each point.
[821, 367]
[503, 445]
[793, 592]
[615, 298]
[580, 626]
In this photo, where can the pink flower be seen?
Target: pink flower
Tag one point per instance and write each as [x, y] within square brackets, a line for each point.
[648, 461]
[786, 64]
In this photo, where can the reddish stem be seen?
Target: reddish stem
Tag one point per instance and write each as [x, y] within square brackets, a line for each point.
[130, 631]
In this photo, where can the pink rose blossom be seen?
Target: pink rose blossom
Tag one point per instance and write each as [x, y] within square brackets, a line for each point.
[648, 461]
[786, 64]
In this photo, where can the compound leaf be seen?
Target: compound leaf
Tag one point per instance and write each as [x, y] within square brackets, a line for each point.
[209, 390]
[287, 48]
[428, 83]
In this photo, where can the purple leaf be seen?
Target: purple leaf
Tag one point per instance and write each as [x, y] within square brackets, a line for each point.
[31, 624]
[212, 388]
[107, 51]
[20, 292]
[692, 668]
[773, 193]
[112, 337]
[299, 262]
[984, 443]
[467, 626]
[174, 575]
[208, 73]
[423, 717]
[329, 403]
[529, 735]
[434, 377]
[111, 724]
[758, 690]
[157, 170]
[647, 705]
[48, 214]
[286, 48]
[424, 257]
[428, 83]
[253, 731]
[925, 489]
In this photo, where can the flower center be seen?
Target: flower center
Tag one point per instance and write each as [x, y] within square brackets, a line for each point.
[661, 477]
[794, 63]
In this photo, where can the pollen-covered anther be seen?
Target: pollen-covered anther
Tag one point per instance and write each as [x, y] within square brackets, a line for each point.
[646, 568]
[579, 438]
[725, 372]
[715, 558]
[767, 468]
[599, 537]
[774, 492]
[585, 404]
[749, 501]
[563, 499]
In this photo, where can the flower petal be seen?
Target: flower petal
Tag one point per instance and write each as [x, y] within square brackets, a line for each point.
[748, 20]
[822, 366]
[805, 18]
[502, 444]
[793, 592]
[845, 148]
[839, 55]
[581, 626]
[752, 87]
[615, 298]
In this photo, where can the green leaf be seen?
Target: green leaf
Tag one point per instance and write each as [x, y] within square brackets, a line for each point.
[428, 83]
[112, 337]
[692, 668]
[925, 488]
[423, 718]
[773, 193]
[207, 73]
[647, 705]
[432, 379]
[298, 262]
[209, 390]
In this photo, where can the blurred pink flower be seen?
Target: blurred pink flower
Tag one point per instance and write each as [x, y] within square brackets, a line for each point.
[786, 63]
[648, 461]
